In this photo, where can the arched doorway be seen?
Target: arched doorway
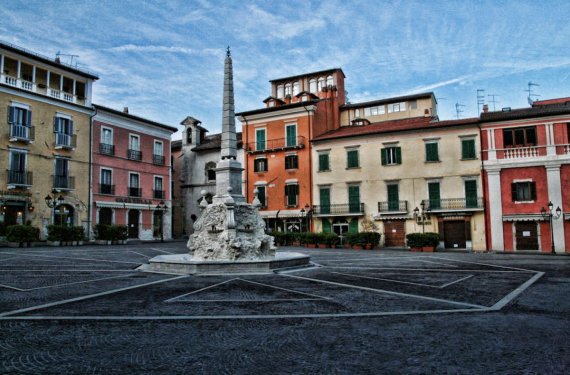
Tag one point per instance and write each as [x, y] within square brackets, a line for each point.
[133, 221]
[64, 215]
[106, 216]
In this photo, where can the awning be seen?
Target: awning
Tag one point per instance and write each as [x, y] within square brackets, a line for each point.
[282, 214]
[132, 206]
[523, 217]
[391, 217]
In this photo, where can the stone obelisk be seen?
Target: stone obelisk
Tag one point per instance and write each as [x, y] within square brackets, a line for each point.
[228, 170]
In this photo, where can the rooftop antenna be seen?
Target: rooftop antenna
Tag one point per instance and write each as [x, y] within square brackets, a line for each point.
[493, 100]
[480, 99]
[458, 109]
[530, 93]
[71, 57]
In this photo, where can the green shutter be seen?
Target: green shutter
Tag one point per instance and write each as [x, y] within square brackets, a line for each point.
[514, 195]
[323, 162]
[383, 156]
[260, 139]
[291, 192]
[398, 155]
[325, 200]
[432, 152]
[353, 226]
[261, 195]
[354, 199]
[471, 193]
[434, 197]
[468, 149]
[352, 159]
[291, 135]
[393, 198]
[327, 228]
[11, 115]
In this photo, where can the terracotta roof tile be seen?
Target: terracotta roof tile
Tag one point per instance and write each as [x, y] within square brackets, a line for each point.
[214, 141]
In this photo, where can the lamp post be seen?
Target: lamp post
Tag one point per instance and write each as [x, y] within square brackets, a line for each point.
[551, 216]
[51, 203]
[161, 207]
[303, 213]
[423, 215]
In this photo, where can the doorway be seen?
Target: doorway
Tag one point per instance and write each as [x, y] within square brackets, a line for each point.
[526, 235]
[341, 228]
[394, 233]
[133, 222]
[454, 234]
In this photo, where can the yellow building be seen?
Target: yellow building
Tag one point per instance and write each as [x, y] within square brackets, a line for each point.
[401, 176]
[45, 144]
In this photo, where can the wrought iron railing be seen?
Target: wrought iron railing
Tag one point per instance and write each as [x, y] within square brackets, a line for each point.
[393, 206]
[106, 149]
[63, 182]
[65, 140]
[158, 194]
[339, 209]
[22, 178]
[107, 189]
[22, 133]
[158, 159]
[135, 192]
[275, 144]
[453, 204]
[134, 154]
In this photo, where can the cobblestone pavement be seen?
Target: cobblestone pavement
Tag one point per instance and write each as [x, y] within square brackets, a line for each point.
[86, 310]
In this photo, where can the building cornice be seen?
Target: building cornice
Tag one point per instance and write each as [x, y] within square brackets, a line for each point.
[131, 124]
[285, 113]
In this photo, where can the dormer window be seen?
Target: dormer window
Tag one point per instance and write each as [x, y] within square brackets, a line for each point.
[313, 85]
[296, 88]
[359, 122]
[189, 136]
[271, 103]
[280, 91]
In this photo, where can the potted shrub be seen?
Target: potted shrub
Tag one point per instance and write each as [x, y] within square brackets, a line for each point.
[22, 235]
[370, 239]
[54, 235]
[332, 240]
[355, 240]
[321, 239]
[296, 239]
[122, 233]
[78, 235]
[310, 240]
[430, 242]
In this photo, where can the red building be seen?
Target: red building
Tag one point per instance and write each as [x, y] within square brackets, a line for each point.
[131, 173]
[526, 162]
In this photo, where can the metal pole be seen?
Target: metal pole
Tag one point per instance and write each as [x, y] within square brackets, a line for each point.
[161, 225]
[551, 232]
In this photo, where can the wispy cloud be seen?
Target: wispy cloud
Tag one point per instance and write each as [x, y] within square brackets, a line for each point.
[164, 49]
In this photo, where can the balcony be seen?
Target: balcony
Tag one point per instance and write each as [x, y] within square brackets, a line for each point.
[346, 209]
[158, 194]
[19, 178]
[62, 95]
[20, 83]
[106, 149]
[63, 182]
[107, 189]
[393, 207]
[135, 192]
[134, 154]
[158, 159]
[454, 204]
[65, 141]
[21, 133]
[272, 145]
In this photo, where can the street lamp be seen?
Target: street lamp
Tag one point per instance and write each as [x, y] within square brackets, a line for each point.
[423, 215]
[51, 203]
[161, 207]
[551, 216]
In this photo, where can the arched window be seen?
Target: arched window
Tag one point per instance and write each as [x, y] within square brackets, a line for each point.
[280, 91]
[288, 89]
[321, 83]
[313, 85]
[64, 215]
[329, 81]
[106, 216]
[189, 136]
[296, 88]
[210, 171]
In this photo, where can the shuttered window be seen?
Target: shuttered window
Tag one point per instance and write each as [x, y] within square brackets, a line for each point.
[324, 162]
[352, 159]
[471, 193]
[434, 195]
[523, 191]
[260, 139]
[325, 200]
[291, 131]
[432, 153]
[291, 162]
[391, 155]
[468, 149]
[327, 228]
[291, 194]
[354, 199]
[261, 195]
[353, 226]
[260, 165]
[393, 197]
[19, 116]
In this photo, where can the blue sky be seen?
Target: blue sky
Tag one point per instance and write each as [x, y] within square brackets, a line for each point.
[164, 60]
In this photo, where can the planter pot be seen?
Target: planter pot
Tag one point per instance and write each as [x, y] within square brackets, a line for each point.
[80, 243]
[415, 249]
[296, 243]
[368, 246]
[356, 247]
[322, 246]
[347, 246]
[74, 243]
[428, 249]
[311, 245]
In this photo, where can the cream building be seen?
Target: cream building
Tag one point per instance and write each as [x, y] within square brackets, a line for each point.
[401, 176]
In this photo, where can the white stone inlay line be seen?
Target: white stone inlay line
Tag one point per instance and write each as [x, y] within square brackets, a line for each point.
[66, 284]
[404, 282]
[160, 250]
[464, 304]
[89, 259]
[142, 255]
[515, 293]
[82, 298]
[423, 269]
[485, 264]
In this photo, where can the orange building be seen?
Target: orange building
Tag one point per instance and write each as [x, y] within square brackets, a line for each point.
[277, 144]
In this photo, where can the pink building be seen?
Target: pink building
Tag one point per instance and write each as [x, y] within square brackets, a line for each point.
[131, 173]
[526, 162]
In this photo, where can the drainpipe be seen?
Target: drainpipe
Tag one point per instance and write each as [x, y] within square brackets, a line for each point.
[484, 184]
[89, 197]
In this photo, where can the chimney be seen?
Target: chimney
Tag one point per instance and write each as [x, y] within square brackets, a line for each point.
[485, 108]
[126, 110]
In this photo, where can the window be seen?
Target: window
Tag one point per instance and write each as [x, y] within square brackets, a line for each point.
[391, 155]
[291, 194]
[106, 186]
[19, 116]
[568, 131]
[261, 195]
[296, 88]
[321, 83]
[291, 134]
[471, 193]
[260, 139]
[134, 152]
[61, 176]
[106, 146]
[288, 89]
[63, 129]
[260, 165]
[519, 137]
[158, 190]
[210, 171]
[280, 91]
[357, 113]
[291, 162]
[354, 199]
[324, 162]
[468, 149]
[189, 136]
[325, 200]
[432, 153]
[134, 190]
[17, 174]
[393, 197]
[105, 216]
[397, 107]
[434, 195]
[414, 104]
[313, 85]
[374, 111]
[329, 80]
[352, 159]
[523, 191]
[158, 156]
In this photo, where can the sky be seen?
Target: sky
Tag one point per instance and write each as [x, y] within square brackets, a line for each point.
[164, 59]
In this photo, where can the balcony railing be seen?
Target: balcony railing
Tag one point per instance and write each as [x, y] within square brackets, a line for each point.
[63, 140]
[9, 80]
[21, 133]
[393, 206]
[275, 145]
[158, 159]
[454, 204]
[134, 154]
[106, 149]
[62, 95]
[20, 178]
[63, 182]
[158, 194]
[339, 209]
[107, 189]
[135, 192]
